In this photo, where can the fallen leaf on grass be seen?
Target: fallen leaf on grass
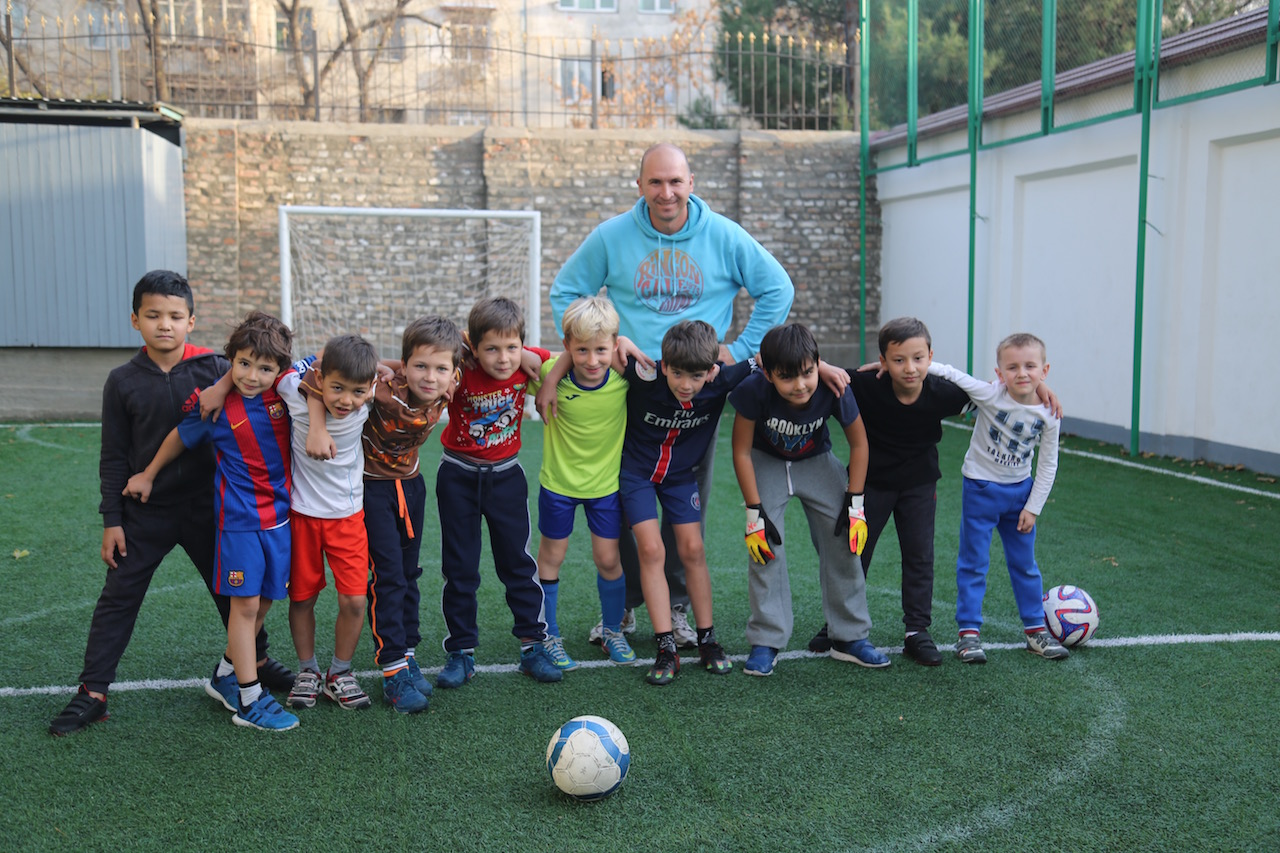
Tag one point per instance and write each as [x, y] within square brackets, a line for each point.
[19, 553]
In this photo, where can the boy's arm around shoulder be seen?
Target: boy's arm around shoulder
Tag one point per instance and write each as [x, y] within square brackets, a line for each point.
[975, 388]
[547, 378]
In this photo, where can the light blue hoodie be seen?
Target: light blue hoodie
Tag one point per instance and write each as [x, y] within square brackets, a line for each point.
[655, 280]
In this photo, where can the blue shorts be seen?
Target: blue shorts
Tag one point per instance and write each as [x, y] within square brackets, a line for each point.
[253, 562]
[555, 515]
[678, 495]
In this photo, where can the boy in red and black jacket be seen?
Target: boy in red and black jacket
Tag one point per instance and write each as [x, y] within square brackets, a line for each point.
[141, 402]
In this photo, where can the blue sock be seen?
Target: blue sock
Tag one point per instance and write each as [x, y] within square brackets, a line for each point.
[550, 598]
[613, 601]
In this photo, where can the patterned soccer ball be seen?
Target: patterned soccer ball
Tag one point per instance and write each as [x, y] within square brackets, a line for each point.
[1070, 615]
[588, 758]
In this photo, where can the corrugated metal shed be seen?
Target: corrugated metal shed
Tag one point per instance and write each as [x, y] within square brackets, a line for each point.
[90, 199]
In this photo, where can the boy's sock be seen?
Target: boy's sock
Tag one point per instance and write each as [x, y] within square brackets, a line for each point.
[968, 632]
[910, 634]
[613, 601]
[309, 663]
[666, 640]
[249, 693]
[550, 599]
[524, 647]
[338, 666]
[389, 670]
[225, 668]
[706, 635]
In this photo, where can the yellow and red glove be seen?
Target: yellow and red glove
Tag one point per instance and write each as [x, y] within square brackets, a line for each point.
[760, 532]
[856, 523]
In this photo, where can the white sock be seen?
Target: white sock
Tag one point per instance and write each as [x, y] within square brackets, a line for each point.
[250, 694]
[225, 668]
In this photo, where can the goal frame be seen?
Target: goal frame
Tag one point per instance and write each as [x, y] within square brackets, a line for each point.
[533, 297]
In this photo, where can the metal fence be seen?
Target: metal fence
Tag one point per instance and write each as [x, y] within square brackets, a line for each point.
[448, 75]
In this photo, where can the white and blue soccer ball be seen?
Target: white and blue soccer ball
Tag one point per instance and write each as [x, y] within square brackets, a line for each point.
[588, 758]
[1070, 615]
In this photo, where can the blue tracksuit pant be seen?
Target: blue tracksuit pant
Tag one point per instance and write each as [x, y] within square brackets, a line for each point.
[986, 506]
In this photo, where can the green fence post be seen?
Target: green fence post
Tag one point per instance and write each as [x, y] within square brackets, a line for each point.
[913, 77]
[1048, 62]
[864, 166]
[975, 142]
[1144, 63]
[1273, 40]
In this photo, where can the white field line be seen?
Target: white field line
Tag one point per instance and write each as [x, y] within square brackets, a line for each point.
[689, 660]
[1125, 463]
[89, 603]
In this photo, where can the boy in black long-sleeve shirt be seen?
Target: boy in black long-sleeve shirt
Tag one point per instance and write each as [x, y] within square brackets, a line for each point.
[141, 402]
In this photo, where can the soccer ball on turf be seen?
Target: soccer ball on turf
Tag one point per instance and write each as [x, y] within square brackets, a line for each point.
[588, 758]
[1070, 615]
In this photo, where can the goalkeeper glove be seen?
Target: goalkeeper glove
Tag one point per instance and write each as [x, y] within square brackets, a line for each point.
[760, 532]
[856, 523]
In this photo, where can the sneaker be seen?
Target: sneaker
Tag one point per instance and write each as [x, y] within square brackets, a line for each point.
[306, 689]
[275, 676]
[345, 690]
[80, 712]
[969, 649]
[821, 643]
[861, 652]
[555, 650]
[537, 664]
[225, 689]
[265, 715]
[615, 645]
[398, 692]
[419, 680]
[1042, 643]
[921, 649]
[628, 627]
[664, 668]
[686, 637]
[761, 661]
[458, 670]
[712, 657]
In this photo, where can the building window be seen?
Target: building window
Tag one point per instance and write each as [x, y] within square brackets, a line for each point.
[665, 7]
[578, 85]
[590, 5]
[306, 30]
[393, 46]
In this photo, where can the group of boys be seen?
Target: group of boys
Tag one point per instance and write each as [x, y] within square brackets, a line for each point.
[319, 460]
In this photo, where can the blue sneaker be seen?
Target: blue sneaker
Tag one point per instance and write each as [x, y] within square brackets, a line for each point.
[225, 689]
[266, 715]
[555, 650]
[458, 670]
[399, 693]
[615, 645]
[761, 661]
[419, 680]
[860, 652]
[537, 664]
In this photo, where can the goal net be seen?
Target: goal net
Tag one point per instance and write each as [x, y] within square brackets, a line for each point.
[371, 271]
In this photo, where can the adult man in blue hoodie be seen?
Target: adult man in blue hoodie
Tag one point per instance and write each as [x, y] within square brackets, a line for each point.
[672, 258]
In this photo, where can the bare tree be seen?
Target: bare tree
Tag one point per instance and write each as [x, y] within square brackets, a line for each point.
[380, 24]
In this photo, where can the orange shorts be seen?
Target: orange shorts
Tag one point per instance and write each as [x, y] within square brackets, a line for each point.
[342, 540]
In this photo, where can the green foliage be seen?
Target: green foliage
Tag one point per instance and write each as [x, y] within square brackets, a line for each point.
[793, 75]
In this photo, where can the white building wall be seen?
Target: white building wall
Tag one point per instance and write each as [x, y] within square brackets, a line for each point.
[1056, 255]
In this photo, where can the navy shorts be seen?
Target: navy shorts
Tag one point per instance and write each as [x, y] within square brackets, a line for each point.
[253, 562]
[555, 515]
[678, 495]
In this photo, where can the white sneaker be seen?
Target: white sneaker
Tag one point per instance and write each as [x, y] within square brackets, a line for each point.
[686, 637]
[628, 627]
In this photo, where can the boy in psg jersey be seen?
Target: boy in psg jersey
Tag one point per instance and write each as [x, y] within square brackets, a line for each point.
[671, 422]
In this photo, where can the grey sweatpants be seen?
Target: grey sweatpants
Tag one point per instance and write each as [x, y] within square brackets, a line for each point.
[819, 482]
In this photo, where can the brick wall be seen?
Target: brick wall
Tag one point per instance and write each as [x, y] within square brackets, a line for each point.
[796, 192]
